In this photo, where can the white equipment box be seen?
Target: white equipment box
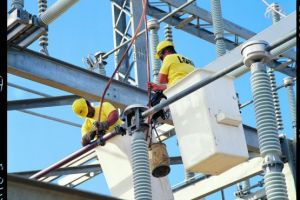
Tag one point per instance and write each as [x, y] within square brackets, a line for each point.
[208, 124]
[115, 161]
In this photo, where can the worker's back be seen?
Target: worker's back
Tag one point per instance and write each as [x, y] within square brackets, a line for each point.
[176, 66]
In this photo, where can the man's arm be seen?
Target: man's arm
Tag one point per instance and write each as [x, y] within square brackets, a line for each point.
[111, 116]
[162, 79]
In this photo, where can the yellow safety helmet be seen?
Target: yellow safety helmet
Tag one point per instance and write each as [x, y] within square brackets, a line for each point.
[161, 46]
[80, 107]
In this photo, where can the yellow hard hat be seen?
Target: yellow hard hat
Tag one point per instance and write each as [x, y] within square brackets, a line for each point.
[161, 46]
[80, 107]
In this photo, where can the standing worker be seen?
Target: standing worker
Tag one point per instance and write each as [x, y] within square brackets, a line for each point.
[174, 66]
[109, 119]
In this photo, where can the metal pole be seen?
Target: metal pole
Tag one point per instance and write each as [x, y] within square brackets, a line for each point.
[153, 26]
[256, 57]
[50, 118]
[71, 157]
[28, 90]
[143, 31]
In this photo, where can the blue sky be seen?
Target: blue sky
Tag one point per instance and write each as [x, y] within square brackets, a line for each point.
[35, 143]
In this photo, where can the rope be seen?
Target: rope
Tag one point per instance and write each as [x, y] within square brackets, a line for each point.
[122, 59]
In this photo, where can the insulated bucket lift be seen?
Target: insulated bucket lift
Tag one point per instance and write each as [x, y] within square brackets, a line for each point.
[208, 125]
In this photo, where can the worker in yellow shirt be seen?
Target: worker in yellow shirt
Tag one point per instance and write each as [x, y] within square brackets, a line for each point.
[108, 121]
[174, 66]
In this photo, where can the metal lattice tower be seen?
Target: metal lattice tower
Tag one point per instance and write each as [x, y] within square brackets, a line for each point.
[126, 15]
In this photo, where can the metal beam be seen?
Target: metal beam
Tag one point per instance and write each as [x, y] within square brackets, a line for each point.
[230, 45]
[26, 189]
[41, 102]
[82, 169]
[270, 35]
[229, 26]
[214, 183]
[189, 28]
[53, 72]
[206, 16]
[64, 171]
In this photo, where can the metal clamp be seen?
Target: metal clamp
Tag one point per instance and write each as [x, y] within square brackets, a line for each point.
[272, 163]
[255, 51]
[133, 118]
[288, 81]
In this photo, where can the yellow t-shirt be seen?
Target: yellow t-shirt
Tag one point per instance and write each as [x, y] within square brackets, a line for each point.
[107, 108]
[176, 66]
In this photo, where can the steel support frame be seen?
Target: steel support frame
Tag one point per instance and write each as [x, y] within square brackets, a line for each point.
[120, 33]
[139, 45]
[121, 10]
[213, 184]
[25, 189]
[229, 26]
[189, 28]
[61, 75]
[270, 35]
[41, 102]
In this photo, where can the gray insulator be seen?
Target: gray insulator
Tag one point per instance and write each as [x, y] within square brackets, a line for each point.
[275, 15]
[264, 110]
[218, 27]
[58, 8]
[140, 165]
[102, 70]
[275, 186]
[154, 40]
[168, 33]
[275, 18]
[43, 40]
[267, 134]
[289, 83]
[42, 6]
[18, 4]
[275, 99]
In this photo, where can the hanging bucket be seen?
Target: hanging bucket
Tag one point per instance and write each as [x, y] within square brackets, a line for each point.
[159, 160]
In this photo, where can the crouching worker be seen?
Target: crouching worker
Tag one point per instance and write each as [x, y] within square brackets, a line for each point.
[91, 128]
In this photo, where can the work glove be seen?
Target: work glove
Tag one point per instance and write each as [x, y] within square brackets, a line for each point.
[120, 130]
[87, 138]
[101, 126]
